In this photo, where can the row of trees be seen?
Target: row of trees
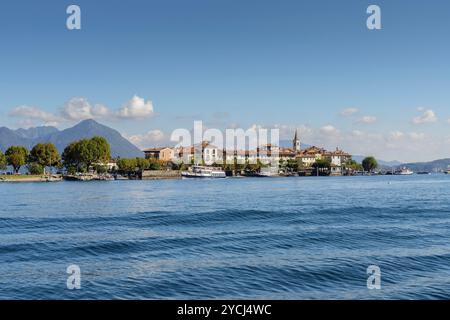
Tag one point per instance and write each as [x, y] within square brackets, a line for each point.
[78, 156]
[135, 165]
[369, 164]
[41, 156]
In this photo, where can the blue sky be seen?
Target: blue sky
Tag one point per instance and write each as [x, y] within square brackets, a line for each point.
[290, 64]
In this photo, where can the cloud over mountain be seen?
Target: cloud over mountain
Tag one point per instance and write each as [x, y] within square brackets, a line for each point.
[79, 108]
[148, 139]
[136, 108]
[33, 113]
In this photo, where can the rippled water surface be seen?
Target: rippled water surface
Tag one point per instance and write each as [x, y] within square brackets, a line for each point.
[274, 238]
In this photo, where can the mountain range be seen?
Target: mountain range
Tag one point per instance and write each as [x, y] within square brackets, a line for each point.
[432, 166]
[120, 147]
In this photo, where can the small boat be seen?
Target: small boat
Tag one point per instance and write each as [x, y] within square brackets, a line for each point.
[78, 177]
[204, 172]
[263, 173]
[53, 178]
[268, 172]
[424, 172]
[404, 172]
[104, 177]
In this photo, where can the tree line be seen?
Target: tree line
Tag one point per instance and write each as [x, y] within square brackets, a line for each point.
[77, 156]
[41, 156]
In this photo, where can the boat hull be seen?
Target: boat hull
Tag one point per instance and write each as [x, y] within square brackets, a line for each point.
[200, 176]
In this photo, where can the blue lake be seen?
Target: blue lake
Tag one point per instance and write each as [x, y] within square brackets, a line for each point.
[258, 238]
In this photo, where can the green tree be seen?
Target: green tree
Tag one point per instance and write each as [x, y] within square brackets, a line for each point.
[369, 164]
[322, 166]
[100, 149]
[16, 156]
[143, 164]
[71, 157]
[3, 162]
[83, 154]
[353, 165]
[45, 154]
[100, 169]
[292, 165]
[127, 165]
[183, 166]
[35, 168]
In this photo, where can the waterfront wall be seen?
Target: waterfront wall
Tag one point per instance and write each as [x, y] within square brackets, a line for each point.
[160, 174]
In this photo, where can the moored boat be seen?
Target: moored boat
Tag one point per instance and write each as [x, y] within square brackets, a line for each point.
[404, 172]
[204, 172]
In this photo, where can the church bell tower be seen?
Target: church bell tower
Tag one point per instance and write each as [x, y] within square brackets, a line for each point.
[296, 142]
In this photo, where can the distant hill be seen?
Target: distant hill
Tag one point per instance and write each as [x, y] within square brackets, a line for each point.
[432, 166]
[9, 138]
[381, 163]
[120, 147]
[36, 133]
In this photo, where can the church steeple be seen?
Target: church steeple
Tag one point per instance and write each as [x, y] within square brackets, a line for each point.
[296, 142]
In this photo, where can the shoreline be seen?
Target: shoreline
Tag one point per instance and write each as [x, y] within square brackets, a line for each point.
[30, 178]
[173, 176]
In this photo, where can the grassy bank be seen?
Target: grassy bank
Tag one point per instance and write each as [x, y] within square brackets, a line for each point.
[23, 178]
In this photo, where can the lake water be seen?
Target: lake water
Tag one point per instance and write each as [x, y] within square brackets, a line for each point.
[258, 238]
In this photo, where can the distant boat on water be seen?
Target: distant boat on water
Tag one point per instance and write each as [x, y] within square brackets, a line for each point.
[204, 172]
[404, 172]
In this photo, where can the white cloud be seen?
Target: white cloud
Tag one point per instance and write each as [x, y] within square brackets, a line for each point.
[357, 133]
[427, 116]
[349, 112]
[101, 111]
[33, 113]
[396, 135]
[395, 145]
[417, 136]
[147, 139]
[79, 108]
[136, 108]
[329, 130]
[368, 119]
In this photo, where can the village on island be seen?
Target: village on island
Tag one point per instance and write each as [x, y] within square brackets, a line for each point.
[90, 159]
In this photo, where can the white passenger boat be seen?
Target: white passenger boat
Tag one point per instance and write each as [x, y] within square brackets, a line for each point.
[404, 172]
[204, 172]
